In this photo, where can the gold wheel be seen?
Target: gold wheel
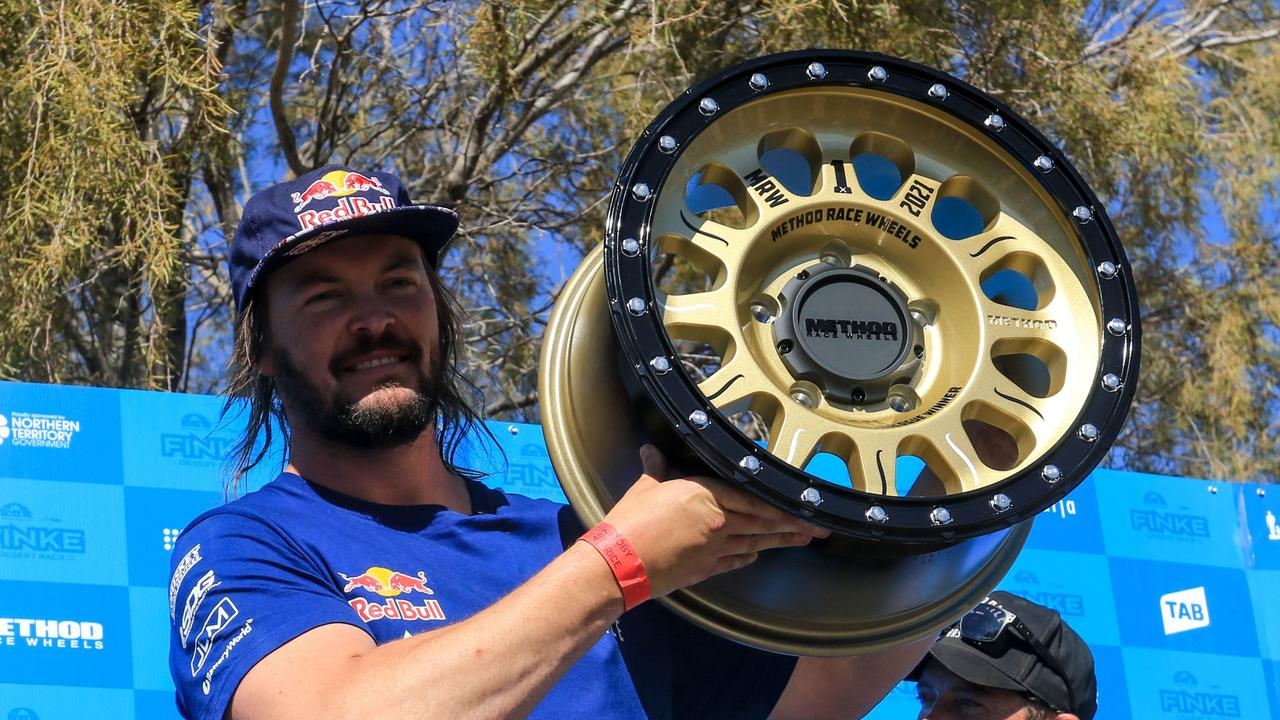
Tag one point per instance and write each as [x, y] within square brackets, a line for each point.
[858, 261]
[820, 268]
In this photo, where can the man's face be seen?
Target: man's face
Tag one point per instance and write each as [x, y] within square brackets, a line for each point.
[944, 696]
[353, 341]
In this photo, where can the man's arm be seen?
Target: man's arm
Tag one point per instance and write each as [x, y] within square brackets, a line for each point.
[847, 687]
[501, 661]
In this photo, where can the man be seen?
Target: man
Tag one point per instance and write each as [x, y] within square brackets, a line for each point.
[1008, 659]
[376, 577]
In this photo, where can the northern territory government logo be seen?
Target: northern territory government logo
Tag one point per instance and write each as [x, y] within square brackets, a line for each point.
[391, 584]
[22, 429]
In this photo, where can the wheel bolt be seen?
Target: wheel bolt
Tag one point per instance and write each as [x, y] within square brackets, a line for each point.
[877, 74]
[1044, 163]
[630, 247]
[750, 463]
[1051, 474]
[1107, 269]
[940, 516]
[707, 106]
[811, 496]
[1082, 214]
[816, 70]
[1001, 502]
[699, 419]
[758, 81]
[636, 306]
[667, 144]
[660, 364]
[641, 192]
[994, 122]
[938, 91]
[1111, 382]
[1117, 326]
[1088, 432]
[876, 514]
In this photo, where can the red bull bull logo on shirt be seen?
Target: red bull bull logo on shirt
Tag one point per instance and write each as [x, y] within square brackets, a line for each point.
[391, 584]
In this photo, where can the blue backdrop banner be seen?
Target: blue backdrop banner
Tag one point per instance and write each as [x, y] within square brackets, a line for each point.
[1174, 582]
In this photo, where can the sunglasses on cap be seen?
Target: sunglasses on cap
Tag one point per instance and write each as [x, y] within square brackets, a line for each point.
[984, 623]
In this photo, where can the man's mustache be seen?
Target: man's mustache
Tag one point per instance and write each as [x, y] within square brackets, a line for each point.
[366, 344]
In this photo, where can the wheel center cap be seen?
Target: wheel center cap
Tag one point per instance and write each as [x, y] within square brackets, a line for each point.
[845, 329]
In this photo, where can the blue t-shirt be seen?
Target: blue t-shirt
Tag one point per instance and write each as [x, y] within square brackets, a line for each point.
[254, 574]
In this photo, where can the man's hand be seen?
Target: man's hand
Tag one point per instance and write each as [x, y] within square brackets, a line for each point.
[688, 529]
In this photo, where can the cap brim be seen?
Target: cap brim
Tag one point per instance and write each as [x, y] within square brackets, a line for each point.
[431, 226]
[972, 665]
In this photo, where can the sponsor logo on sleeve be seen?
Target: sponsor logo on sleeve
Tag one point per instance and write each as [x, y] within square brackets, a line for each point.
[187, 562]
[219, 619]
[245, 629]
[1184, 610]
[195, 598]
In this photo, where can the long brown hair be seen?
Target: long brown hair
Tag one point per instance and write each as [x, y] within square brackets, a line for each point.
[248, 389]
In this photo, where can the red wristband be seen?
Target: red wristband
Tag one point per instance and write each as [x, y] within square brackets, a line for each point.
[623, 560]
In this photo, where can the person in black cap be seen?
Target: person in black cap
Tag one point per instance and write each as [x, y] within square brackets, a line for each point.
[1007, 659]
[377, 577]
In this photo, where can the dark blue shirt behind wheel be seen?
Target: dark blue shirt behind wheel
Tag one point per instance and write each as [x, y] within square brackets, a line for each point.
[253, 574]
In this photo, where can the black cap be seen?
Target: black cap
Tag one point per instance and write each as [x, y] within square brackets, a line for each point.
[1009, 662]
[327, 204]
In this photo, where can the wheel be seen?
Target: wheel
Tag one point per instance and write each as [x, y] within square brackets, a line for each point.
[869, 294]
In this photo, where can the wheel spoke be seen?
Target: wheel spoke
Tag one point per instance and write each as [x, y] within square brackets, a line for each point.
[1013, 401]
[698, 316]
[721, 241]
[958, 455]
[736, 380]
[876, 468]
[792, 439]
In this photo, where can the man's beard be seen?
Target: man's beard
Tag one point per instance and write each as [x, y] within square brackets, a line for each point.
[342, 420]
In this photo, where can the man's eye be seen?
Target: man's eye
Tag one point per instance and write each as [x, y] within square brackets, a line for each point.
[320, 297]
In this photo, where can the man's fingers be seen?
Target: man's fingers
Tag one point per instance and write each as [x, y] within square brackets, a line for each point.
[745, 544]
[655, 463]
[743, 524]
[733, 562]
[740, 501]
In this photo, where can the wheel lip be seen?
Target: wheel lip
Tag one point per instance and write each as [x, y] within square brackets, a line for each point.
[720, 444]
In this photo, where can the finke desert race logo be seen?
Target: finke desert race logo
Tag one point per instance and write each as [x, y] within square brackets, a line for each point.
[21, 429]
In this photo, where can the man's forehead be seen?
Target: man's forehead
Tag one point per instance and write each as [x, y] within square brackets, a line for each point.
[328, 261]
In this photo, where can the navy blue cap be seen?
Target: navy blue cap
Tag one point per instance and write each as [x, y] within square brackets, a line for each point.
[327, 204]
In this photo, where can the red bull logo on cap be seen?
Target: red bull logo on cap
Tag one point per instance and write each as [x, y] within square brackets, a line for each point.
[338, 183]
[390, 584]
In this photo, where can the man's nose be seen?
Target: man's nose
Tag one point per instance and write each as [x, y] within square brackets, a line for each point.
[370, 316]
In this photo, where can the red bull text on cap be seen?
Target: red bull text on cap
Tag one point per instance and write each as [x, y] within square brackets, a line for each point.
[327, 204]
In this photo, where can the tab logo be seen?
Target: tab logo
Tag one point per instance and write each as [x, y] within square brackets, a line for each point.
[1184, 610]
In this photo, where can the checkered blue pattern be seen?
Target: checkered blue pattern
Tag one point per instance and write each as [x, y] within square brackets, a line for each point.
[1174, 582]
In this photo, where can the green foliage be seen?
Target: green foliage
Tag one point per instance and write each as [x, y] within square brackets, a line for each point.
[105, 107]
[128, 156]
